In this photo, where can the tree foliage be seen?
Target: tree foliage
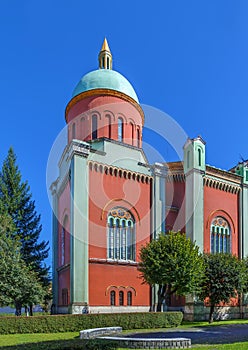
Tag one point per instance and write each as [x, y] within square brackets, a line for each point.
[225, 278]
[16, 202]
[172, 262]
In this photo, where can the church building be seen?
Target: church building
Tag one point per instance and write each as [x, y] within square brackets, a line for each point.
[108, 201]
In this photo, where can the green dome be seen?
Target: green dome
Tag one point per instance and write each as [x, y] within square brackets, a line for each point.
[105, 79]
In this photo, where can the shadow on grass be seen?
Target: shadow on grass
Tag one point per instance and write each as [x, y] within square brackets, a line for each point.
[93, 344]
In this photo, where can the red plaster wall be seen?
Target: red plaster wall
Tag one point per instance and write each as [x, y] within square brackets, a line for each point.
[104, 107]
[63, 282]
[225, 204]
[175, 197]
[64, 211]
[107, 192]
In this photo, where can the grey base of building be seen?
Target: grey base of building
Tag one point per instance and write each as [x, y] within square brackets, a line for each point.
[199, 312]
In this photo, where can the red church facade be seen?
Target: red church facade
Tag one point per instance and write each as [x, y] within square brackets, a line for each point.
[108, 201]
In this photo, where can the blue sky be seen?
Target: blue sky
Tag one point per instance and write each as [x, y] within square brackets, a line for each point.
[186, 58]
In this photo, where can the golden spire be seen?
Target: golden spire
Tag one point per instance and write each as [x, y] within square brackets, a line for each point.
[105, 56]
[105, 46]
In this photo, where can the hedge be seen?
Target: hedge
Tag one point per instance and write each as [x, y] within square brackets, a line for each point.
[74, 323]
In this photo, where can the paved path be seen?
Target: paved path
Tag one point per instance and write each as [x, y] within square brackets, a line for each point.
[204, 335]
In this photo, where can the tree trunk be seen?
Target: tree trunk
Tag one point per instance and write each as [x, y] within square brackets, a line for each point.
[211, 314]
[26, 311]
[18, 307]
[161, 291]
[31, 309]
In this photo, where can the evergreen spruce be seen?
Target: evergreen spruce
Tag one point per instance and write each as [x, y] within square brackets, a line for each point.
[19, 285]
[16, 202]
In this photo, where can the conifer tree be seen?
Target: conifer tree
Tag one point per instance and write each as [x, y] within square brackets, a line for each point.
[16, 202]
[19, 285]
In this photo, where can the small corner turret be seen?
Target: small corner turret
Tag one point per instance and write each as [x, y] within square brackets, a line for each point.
[194, 154]
[242, 170]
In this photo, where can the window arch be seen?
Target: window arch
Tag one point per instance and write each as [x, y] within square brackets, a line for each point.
[121, 235]
[120, 129]
[94, 127]
[220, 236]
[112, 298]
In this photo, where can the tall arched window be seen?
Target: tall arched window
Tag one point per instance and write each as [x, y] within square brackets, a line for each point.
[121, 235]
[129, 298]
[121, 298]
[188, 159]
[94, 127]
[109, 125]
[199, 157]
[62, 246]
[138, 137]
[112, 298]
[220, 236]
[120, 129]
[73, 133]
[132, 133]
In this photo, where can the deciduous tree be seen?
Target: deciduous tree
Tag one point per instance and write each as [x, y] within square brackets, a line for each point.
[174, 263]
[225, 277]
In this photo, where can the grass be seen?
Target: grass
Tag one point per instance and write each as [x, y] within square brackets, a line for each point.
[58, 341]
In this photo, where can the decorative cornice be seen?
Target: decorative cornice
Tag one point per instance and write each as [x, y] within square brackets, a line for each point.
[175, 177]
[78, 148]
[106, 92]
[223, 175]
[221, 185]
[120, 172]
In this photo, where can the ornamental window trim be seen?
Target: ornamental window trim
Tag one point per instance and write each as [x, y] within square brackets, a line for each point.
[220, 234]
[120, 235]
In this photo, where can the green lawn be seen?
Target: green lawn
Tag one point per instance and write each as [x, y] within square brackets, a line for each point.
[68, 340]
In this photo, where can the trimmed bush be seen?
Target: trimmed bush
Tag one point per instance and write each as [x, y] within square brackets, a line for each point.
[76, 323]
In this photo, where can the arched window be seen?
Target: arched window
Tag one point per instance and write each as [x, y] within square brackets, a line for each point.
[94, 127]
[112, 298]
[129, 298]
[138, 137]
[121, 298]
[199, 157]
[220, 236]
[62, 246]
[188, 159]
[73, 133]
[132, 133]
[109, 125]
[120, 129]
[107, 62]
[121, 235]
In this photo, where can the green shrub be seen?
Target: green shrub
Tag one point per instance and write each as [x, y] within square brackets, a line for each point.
[74, 323]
